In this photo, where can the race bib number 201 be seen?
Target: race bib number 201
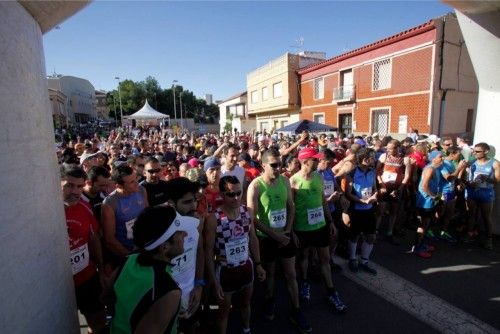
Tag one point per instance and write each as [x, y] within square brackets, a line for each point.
[79, 258]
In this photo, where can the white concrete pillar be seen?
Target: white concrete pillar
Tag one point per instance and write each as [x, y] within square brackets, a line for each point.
[481, 32]
[36, 286]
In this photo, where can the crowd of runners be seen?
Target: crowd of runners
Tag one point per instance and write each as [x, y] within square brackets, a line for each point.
[164, 228]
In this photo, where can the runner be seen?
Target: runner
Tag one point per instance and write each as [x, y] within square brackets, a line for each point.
[85, 248]
[95, 190]
[230, 234]
[188, 267]
[270, 198]
[362, 192]
[118, 213]
[313, 224]
[211, 192]
[332, 195]
[480, 194]
[151, 303]
[137, 162]
[155, 187]
[230, 166]
[449, 174]
[427, 198]
[393, 174]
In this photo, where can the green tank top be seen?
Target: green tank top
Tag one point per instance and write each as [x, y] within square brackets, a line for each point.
[309, 214]
[272, 205]
[133, 300]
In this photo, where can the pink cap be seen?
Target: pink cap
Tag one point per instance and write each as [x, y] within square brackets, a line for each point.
[193, 162]
[309, 152]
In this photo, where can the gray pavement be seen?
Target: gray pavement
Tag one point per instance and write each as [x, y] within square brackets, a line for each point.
[456, 291]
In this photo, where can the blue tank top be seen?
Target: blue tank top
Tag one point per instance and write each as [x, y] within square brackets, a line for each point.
[127, 209]
[423, 199]
[487, 169]
[362, 186]
[329, 185]
[447, 169]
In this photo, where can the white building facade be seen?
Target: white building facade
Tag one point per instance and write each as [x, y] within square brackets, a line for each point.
[81, 103]
[234, 114]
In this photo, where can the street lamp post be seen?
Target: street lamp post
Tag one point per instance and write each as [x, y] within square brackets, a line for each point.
[173, 91]
[120, 98]
[114, 108]
[180, 98]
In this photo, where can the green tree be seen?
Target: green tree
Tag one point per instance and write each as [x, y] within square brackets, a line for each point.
[134, 94]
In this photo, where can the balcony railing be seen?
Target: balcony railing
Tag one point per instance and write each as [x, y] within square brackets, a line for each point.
[344, 93]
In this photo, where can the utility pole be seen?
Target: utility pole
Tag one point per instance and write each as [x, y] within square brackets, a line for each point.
[173, 91]
[120, 97]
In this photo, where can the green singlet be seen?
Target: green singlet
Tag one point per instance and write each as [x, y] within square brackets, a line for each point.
[272, 204]
[137, 288]
[309, 214]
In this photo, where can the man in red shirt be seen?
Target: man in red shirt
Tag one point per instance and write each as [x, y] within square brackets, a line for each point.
[250, 171]
[85, 247]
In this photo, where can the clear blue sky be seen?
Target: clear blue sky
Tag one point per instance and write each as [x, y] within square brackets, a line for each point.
[209, 47]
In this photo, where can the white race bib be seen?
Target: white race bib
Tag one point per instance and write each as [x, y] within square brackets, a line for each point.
[315, 216]
[183, 262]
[277, 218]
[388, 177]
[79, 258]
[366, 193]
[329, 188]
[129, 225]
[237, 251]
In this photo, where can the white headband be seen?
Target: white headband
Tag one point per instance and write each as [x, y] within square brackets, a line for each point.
[174, 227]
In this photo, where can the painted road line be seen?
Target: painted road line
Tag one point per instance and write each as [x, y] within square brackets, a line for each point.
[424, 306]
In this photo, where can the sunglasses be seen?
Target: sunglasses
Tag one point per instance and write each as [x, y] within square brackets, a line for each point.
[140, 165]
[233, 194]
[478, 151]
[154, 171]
[275, 165]
[444, 144]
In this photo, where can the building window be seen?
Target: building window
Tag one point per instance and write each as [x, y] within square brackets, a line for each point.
[319, 118]
[277, 89]
[382, 74]
[264, 126]
[255, 96]
[240, 110]
[380, 121]
[284, 123]
[345, 123]
[319, 88]
[265, 93]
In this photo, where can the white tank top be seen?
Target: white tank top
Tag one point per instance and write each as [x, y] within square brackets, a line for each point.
[184, 265]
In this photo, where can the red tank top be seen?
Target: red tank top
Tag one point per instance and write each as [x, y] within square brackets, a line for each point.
[393, 172]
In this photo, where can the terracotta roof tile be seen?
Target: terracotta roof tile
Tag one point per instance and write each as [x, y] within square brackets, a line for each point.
[388, 40]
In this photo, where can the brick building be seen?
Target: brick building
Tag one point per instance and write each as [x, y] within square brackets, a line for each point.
[420, 78]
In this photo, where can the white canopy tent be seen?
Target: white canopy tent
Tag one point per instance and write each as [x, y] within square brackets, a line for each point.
[147, 113]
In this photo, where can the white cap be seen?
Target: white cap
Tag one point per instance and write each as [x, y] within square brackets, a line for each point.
[180, 223]
[433, 139]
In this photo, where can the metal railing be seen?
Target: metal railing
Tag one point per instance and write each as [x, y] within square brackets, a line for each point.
[344, 93]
